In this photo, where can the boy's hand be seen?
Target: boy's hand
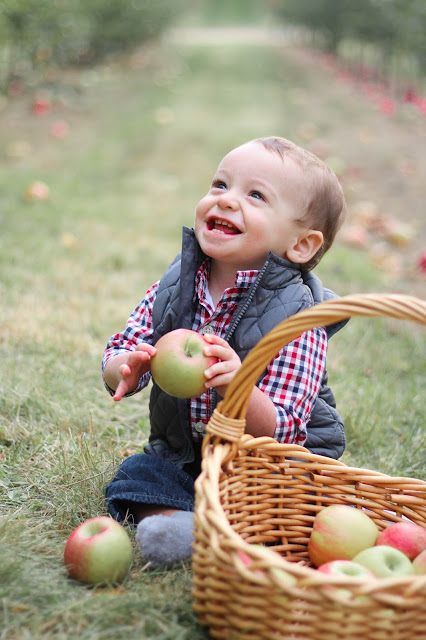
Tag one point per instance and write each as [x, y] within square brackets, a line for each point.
[130, 372]
[220, 374]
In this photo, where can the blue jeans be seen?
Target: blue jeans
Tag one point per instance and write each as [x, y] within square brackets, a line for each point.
[145, 479]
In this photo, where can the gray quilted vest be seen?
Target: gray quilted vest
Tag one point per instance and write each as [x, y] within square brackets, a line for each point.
[279, 291]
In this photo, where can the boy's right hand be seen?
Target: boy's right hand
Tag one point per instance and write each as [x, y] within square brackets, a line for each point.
[130, 371]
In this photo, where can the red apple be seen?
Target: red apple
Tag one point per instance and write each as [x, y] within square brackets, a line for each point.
[408, 537]
[41, 105]
[98, 551]
[179, 364]
[347, 568]
[422, 261]
[385, 562]
[283, 578]
[419, 564]
[339, 533]
[59, 129]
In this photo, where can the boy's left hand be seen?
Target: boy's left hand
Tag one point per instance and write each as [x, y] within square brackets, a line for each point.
[221, 373]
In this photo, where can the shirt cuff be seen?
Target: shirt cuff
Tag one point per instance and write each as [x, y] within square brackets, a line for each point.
[143, 381]
[288, 429]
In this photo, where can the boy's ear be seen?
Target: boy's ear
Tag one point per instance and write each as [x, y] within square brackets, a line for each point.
[305, 247]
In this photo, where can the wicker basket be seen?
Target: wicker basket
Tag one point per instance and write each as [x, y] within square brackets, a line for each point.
[256, 501]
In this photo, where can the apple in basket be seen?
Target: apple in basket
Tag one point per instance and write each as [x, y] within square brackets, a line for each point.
[408, 537]
[419, 564]
[179, 364]
[385, 562]
[346, 568]
[339, 532]
[98, 551]
[281, 578]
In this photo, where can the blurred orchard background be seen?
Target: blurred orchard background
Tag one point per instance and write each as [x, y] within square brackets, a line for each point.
[113, 117]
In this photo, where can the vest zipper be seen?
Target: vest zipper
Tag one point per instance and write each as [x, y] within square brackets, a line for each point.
[236, 320]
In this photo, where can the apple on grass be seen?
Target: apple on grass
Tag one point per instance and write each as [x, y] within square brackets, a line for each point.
[179, 364]
[340, 532]
[408, 537]
[385, 562]
[98, 551]
[37, 190]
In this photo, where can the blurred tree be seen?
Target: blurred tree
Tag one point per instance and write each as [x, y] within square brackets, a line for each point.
[335, 20]
[394, 27]
[34, 32]
[230, 12]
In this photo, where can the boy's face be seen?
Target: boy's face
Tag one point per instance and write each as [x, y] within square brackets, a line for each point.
[251, 209]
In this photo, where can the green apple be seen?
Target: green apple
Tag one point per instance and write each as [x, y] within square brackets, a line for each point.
[419, 564]
[347, 568]
[98, 551]
[179, 364]
[385, 562]
[340, 532]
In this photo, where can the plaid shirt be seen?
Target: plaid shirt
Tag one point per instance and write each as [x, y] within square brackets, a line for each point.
[293, 377]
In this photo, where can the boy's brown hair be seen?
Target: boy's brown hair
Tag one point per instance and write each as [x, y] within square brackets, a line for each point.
[323, 202]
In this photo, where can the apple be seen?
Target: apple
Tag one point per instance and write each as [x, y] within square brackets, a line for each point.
[280, 576]
[421, 262]
[179, 364]
[37, 190]
[98, 551]
[408, 537]
[419, 563]
[41, 105]
[385, 562]
[347, 568]
[59, 129]
[340, 532]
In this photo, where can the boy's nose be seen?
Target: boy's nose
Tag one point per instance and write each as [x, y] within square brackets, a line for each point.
[228, 201]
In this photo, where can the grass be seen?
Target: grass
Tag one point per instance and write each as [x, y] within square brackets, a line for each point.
[145, 135]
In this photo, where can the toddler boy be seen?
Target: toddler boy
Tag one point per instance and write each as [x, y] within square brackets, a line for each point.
[272, 211]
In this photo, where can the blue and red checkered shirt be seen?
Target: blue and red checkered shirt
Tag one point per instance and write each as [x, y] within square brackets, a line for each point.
[293, 377]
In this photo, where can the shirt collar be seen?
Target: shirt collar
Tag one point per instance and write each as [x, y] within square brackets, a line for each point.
[243, 279]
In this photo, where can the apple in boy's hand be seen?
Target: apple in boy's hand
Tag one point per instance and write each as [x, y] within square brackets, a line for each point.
[347, 568]
[385, 562]
[408, 537]
[98, 551]
[339, 533]
[419, 564]
[179, 364]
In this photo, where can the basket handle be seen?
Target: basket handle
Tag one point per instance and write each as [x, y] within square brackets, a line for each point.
[235, 403]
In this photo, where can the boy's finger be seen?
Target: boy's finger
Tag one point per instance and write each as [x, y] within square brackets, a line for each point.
[211, 338]
[119, 392]
[125, 370]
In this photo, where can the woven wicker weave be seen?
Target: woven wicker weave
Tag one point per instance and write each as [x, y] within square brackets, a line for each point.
[256, 501]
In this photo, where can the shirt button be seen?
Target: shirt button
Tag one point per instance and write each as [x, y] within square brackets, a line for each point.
[200, 427]
[208, 329]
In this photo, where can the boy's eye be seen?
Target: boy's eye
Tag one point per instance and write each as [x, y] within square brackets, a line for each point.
[257, 195]
[218, 184]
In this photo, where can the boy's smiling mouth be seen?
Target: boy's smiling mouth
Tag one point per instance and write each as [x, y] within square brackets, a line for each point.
[222, 226]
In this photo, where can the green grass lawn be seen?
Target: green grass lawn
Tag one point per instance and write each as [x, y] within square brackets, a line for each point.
[145, 135]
